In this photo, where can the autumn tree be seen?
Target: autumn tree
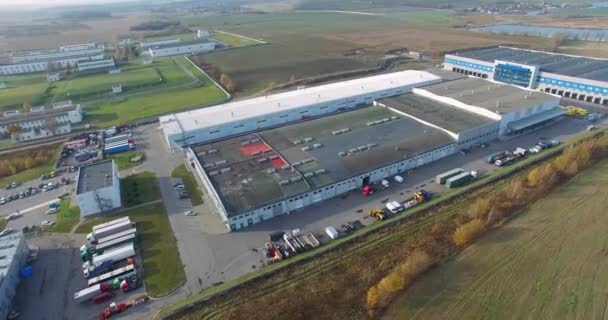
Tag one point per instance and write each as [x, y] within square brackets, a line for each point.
[13, 129]
[535, 177]
[26, 106]
[468, 232]
[227, 83]
[480, 208]
[557, 39]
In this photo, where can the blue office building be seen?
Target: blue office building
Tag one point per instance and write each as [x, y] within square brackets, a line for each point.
[575, 77]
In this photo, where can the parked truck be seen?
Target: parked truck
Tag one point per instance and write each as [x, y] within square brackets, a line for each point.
[90, 292]
[441, 178]
[101, 233]
[418, 198]
[459, 180]
[118, 138]
[292, 243]
[96, 269]
[122, 273]
[118, 148]
[87, 251]
[497, 156]
[111, 256]
[109, 223]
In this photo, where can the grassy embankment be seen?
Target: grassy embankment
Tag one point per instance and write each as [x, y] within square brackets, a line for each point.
[163, 271]
[345, 261]
[233, 41]
[66, 218]
[543, 264]
[189, 183]
[123, 161]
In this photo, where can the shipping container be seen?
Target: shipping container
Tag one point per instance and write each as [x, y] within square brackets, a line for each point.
[441, 178]
[109, 223]
[459, 180]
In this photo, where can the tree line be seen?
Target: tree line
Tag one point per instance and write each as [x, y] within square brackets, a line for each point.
[482, 215]
[214, 72]
[19, 161]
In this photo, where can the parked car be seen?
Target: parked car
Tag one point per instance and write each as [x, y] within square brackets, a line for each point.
[47, 223]
[190, 213]
[2, 200]
[5, 232]
[52, 210]
[12, 216]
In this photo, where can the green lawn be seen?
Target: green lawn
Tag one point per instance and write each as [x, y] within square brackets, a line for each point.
[2, 223]
[20, 89]
[139, 188]
[233, 41]
[123, 160]
[27, 175]
[67, 217]
[130, 109]
[189, 183]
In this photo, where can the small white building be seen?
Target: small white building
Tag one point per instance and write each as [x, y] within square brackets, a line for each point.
[117, 88]
[2, 85]
[98, 188]
[202, 34]
[51, 77]
[182, 47]
[35, 124]
[13, 256]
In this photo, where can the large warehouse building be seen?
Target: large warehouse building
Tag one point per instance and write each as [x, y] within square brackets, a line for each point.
[238, 117]
[13, 256]
[98, 188]
[575, 77]
[181, 48]
[260, 166]
[36, 61]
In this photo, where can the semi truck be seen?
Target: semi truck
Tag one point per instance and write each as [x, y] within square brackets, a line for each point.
[441, 178]
[87, 251]
[118, 138]
[124, 272]
[299, 236]
[459, 180]
[101, 233]
[109, 223]
[111, 256]
[497, 156]
[90, 292]
[119, 148]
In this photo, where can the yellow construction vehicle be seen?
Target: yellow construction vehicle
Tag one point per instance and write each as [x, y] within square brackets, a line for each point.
[573, 111]
[377, 213]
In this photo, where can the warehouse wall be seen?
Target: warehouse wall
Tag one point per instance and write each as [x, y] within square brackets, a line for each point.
[481, 134]
[294, 204]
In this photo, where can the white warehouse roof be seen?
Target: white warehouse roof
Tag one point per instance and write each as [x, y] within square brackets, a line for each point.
[280, 102]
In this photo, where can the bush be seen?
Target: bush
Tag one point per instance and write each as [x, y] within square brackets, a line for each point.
[468, 232]
[380, 295]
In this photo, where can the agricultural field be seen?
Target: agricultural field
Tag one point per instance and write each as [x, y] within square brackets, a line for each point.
[233, 41]
[309, 44]
[545, 264]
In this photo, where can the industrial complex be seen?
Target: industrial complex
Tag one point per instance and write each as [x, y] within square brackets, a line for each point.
[575, 77]
[13, 255]
[273, 155]
[64, 56]
[98, 188]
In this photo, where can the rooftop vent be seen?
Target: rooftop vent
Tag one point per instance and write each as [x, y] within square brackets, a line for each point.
[217, 163]
[244, 143]
[285, 166]
[309, 174]
[297, 142]
[212, 151]
[317, 145]
[297, 163]
[306, 148]
[271, 170]
[274, 156]
[260, 160]
[296, 179]
[308, 139]
[213, 173]
[321, 171]
[202, 153]
[284, 182]
[255, 153]
[342, 154]
[225, 170]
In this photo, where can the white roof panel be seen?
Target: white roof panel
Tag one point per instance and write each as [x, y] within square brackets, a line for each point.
[280, 102]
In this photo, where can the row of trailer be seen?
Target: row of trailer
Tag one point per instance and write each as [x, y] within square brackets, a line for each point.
[296, 241]
[117, 144]
[108, 260]
[456, 177]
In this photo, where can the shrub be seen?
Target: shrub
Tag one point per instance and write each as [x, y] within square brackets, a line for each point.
[468, 232]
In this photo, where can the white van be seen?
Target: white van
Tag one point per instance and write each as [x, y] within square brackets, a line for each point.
[391, 207]
[331, 232]
[398, 206]
[398, 179]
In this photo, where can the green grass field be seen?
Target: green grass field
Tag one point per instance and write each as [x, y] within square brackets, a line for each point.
[164, 72]
[189, 183]
[545, 264]
[139, 188]
[123, 161]
[232, 41]
[66, 218]
[163, 270]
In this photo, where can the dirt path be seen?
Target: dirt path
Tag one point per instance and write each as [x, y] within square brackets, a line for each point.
[549, 263]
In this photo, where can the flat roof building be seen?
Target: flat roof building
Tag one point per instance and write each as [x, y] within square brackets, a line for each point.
[570, 76]
[181, 47]
[207, 124]
[98, 187]
[13, 256]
